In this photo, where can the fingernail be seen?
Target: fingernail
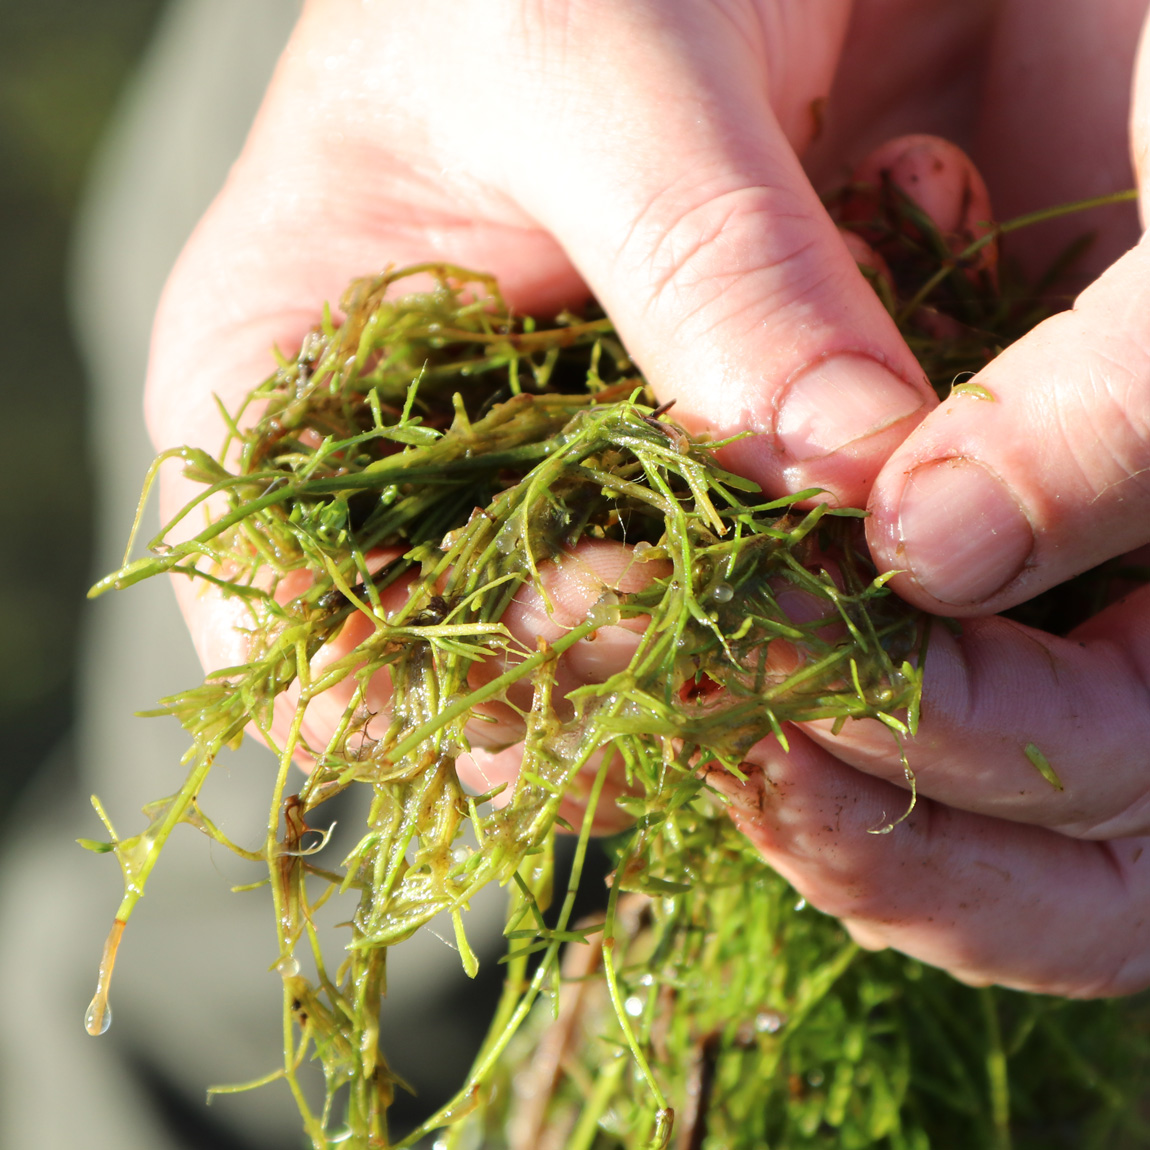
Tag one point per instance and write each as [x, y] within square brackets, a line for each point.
[839, 400]
[963, 533]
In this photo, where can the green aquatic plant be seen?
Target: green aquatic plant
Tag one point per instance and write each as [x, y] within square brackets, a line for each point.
[379, 504]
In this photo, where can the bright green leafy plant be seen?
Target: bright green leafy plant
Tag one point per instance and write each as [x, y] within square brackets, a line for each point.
[386, 495]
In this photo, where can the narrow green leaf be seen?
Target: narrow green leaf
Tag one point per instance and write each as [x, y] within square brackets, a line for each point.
[96, 846]
[973, 389]
[1042, 765]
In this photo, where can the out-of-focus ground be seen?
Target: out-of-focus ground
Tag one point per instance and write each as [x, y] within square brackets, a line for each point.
[62, 66]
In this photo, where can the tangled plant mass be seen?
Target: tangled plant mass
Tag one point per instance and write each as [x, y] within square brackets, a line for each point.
[389, 507]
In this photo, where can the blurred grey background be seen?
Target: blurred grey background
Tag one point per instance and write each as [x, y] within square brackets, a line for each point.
[63, 64]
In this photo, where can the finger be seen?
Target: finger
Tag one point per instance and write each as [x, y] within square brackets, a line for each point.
[992, 501]
[1140, 122]
[988, 900]
[709, 248]
[939, 178]
[1053, 125]
[484, 771]
[998, 695]
[568, 590]
[866, 257]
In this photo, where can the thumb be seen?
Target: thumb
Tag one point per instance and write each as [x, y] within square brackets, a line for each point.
[989, 503]
[669, 176]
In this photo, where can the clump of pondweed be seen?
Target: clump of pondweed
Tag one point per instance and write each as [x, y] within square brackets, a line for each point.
[755, 1023]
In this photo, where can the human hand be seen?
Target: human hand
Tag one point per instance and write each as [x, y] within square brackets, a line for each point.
[998, 875]
[643, 152]
[647, 153]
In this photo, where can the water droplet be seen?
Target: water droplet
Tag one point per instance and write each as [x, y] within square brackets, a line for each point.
[647, 979]
[460, 855]
[816, 1078]
[768, 1022]
[633, 1006]
[722, 593]
[606, 612]
[288, 965]
[801, 904]
[99, 1016]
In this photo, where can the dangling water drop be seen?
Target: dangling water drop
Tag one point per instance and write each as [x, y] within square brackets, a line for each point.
[723, 593]
[99, 1016]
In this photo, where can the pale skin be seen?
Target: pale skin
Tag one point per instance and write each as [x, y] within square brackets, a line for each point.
[662, 156]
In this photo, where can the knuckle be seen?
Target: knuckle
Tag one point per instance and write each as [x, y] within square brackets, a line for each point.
[705, 258]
